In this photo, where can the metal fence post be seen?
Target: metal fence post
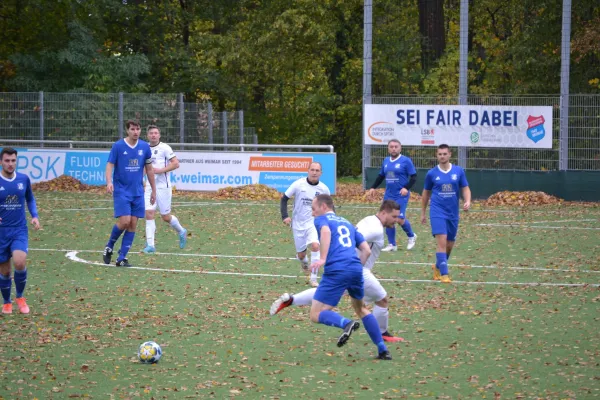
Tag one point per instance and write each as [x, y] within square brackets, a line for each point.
[255, 142]
[563, 154]
[210, 124]
[121, 122]
[463, 70]
[224, 126]
[241, 117]
[181, 121]
[42, 119]
[367, 80]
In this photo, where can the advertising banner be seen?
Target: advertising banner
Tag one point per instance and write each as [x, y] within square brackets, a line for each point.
[198, 171]
[468, 126]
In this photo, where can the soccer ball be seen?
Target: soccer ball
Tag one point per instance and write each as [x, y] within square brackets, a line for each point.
[149, 352]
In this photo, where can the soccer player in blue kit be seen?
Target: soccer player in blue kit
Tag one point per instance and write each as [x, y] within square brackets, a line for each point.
[128, 157]
[15, 190]
[442, 185]
[343, 270]
[400, 175]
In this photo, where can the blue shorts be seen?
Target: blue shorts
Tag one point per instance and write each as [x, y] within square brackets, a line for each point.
[403, 203]
[332, 286]
[129, 205]
[443, 226]
[12, 239]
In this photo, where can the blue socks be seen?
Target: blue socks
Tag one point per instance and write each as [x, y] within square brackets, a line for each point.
[5, 285]
[114, 236]
[20, 281]
[441, 263]
[126, 245]
[391, 235]
[372, 327]
[407, 228]
[331, 318]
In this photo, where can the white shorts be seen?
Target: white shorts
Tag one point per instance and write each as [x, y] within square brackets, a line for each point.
[373, 289]
[303, 238]
[163, 200]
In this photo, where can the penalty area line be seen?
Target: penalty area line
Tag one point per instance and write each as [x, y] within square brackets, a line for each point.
[72, 255]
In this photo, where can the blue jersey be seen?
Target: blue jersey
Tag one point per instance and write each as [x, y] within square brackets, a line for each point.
[13, 195]
[445, 191]
[397, 173]
[344, 239]
[129, 165]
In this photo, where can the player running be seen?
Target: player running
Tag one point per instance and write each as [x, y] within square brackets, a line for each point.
[372, 228]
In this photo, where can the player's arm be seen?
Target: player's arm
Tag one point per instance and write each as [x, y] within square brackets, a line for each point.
[109, 175]
[150, 174]
[364, 252]
[324, 243]
[171, 166]
[466, 195]
[31, 205]
[283, 208]
[411, 181]
[425, 196]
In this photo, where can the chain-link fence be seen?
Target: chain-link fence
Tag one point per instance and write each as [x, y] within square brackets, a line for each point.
[101, 117]
[583, 135]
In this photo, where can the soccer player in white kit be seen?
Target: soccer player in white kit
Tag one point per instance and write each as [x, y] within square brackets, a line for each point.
[163, 162]
[372, 228]
[304, 190]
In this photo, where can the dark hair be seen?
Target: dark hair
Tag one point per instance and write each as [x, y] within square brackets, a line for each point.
[395, 141]
[7, 150]
[130, 123]
[444, 146]
[152, 127]
[389, 206]
[325, 199]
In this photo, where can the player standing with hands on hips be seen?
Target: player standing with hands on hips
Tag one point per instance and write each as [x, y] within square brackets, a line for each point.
[15, 190]
[442, 185]
[163, 161]
[128, 157]
[400, 175]
[304, 190]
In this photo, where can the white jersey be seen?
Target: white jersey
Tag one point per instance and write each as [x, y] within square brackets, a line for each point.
[162, 153]
[373, 231]
[303, 194]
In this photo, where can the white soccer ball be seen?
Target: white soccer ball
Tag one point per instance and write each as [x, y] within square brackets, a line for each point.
[149, 352]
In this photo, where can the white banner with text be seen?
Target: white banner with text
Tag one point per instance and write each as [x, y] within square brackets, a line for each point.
[468, 126]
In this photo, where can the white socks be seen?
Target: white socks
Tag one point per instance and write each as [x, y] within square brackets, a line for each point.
[176, 225]
[304, 298]
[150, 230]
[382, 316]
[314, 256]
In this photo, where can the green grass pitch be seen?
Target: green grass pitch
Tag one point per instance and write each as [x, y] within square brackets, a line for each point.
[520, 321]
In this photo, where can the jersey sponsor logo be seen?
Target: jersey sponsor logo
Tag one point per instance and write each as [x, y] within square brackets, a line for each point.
[20, 186]
[134, 162]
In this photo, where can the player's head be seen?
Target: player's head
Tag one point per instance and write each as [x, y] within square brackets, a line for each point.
[388, 213]
[394, 148]
[133, 129]
[443, 154]
[8, 155]
[322, 204]
[314, 171]
[153, 134]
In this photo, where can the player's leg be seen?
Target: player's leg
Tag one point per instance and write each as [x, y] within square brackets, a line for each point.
[391, 236]
[439, 231]
[122, 207]
[326, 297]
[5, 281]
[150, 223]
[19, 260]
[163, 198]
[137, 211]
[405, 224]
[298, 299]
[452, 229]
[301, 249]
[375, 293]
[356, 293]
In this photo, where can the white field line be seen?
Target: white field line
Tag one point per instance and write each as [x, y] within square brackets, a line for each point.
[72, 255]
[378, 262]
[539, 226]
